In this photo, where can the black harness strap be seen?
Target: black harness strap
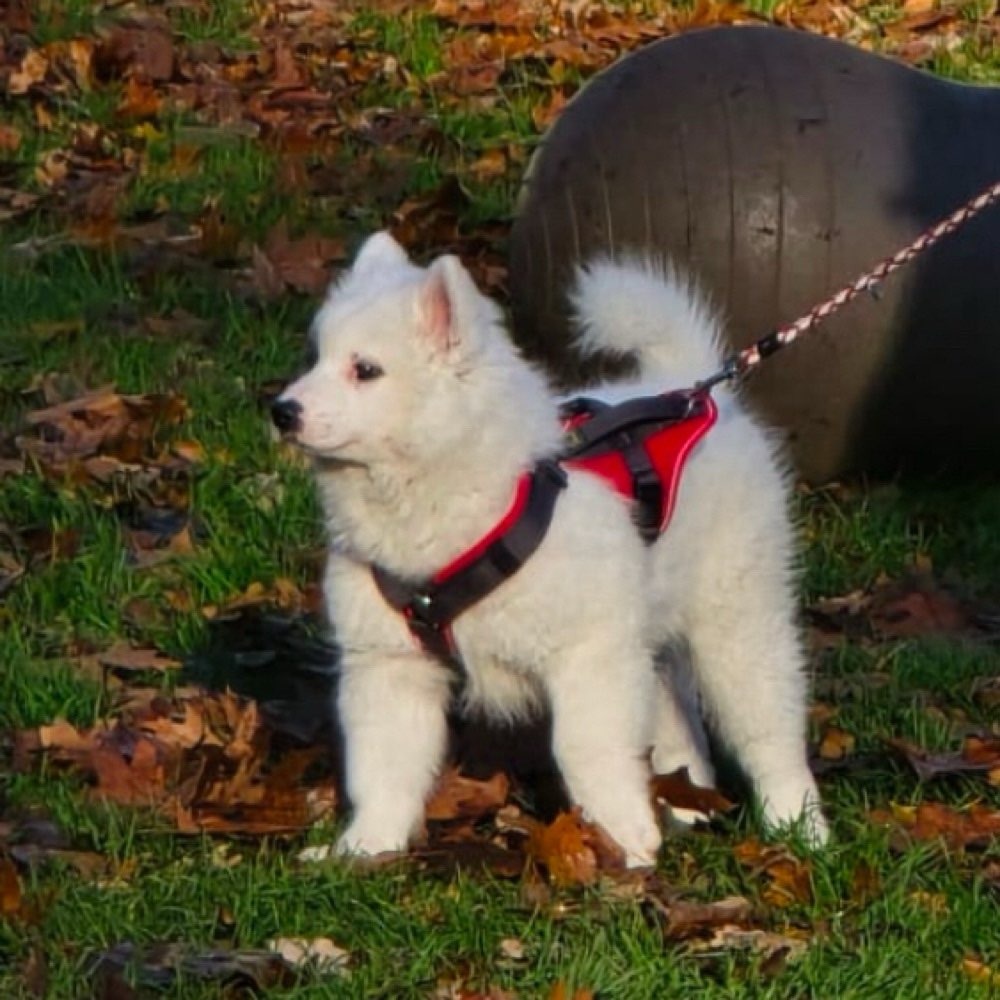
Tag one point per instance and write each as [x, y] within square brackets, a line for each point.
[623, 428]
[605, 422]
[430, 607]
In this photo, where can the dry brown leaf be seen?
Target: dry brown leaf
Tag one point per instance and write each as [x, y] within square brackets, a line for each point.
[975, 826]
[142, 49]
[10, 888]
[139, 100]
[919, 612]
[572, 851]
[543, 115]
[101, 421]
[201, 759]
[10, 138]
[977, 755]
[430, 220]
[491, 165]
[979, 972]
[303, 263]
[866, 884]
[789, 879]
[64, 738]
[836, 744]
[561, 992]
[685, 919]
[676, 789]
[320, 954]
[31, 70]
[457, 796]
[124, 656]
[772, 947]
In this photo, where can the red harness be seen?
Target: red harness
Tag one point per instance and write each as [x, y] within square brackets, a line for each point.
[639, 447]
[642, 455]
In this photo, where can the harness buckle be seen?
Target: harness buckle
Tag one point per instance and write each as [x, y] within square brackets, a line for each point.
[420, 610]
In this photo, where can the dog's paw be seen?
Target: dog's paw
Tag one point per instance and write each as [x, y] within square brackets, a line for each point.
[640, 841]
[800, 814]
[360, 840]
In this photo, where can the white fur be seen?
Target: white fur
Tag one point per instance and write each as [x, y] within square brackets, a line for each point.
[416, 465]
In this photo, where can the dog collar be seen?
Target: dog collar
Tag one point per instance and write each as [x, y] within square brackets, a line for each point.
[431, 606]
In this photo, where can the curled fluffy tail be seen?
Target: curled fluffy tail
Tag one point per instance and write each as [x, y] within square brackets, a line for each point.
[638, 307]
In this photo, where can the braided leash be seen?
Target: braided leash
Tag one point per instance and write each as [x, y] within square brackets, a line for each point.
[741, 363]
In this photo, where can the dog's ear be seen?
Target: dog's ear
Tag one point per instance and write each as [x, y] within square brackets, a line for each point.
[379, 250]
[447, 305]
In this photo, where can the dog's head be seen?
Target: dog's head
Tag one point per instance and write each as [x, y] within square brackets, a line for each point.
[394, 349]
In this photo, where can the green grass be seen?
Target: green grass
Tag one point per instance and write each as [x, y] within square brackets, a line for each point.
[79, 311]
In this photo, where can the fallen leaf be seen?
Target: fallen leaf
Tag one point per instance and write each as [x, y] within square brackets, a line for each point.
[543, 115]
[789, 879]
[979, 972]
[303, 263]
[513, 949]
[919, 612]
[34, 973]
[913, 606]
[159, 965]
[836, 744]
[457, 796]
[10, 139]
[450, 857]
[142, 49]
[10, 888]
[682, 919]
[977, 755]
[572, 851]
[319, 953]
[974, 826]
[124, 656]
[773, 947]
[431, 220]
[202, 760]
[139, 100]
[866, 884]
[676, 789]
[561, 992]
[30, 71]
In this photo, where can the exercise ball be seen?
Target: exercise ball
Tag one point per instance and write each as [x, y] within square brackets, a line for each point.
[775, 166]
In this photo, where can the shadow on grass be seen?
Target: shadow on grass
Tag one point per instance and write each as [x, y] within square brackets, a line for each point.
[284, 662]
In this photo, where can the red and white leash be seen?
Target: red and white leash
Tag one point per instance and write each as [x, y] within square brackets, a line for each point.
[741, 363]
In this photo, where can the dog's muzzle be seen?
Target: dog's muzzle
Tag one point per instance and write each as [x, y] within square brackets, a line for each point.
[287, 415]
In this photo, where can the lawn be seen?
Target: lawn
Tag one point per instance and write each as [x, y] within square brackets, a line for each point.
[178, 181]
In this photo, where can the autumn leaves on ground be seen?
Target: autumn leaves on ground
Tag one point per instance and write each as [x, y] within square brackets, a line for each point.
[178, 181]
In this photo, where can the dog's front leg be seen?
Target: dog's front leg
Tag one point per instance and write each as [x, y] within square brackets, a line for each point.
[600, 699]
[392, 710]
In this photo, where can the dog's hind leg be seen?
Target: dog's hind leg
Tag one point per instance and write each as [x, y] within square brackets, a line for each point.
[600, 696]
[393, 712]
[748, 666]
[679, 737]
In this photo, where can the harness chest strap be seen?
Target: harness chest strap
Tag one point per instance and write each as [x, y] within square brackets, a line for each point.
[429, 608]
[639, 447]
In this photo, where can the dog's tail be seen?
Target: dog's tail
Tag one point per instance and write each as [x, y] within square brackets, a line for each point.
[637, 307]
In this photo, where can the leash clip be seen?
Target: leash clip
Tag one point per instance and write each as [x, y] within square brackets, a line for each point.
[729, 371]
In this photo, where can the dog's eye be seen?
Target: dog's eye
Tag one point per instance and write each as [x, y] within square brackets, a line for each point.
[366, 371]
[312, 353]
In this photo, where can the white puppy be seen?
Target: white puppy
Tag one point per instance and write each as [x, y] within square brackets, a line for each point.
[421, 417]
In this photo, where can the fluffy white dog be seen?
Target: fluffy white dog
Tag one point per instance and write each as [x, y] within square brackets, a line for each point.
[421, 417]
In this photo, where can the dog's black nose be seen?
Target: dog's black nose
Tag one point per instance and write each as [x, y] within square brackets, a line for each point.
[287, 415]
